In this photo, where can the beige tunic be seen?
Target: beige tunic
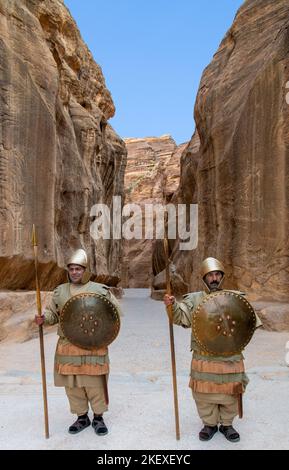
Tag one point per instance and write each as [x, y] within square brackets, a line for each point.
[65, 374]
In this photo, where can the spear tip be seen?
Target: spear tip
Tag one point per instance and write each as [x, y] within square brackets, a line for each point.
[34, 239]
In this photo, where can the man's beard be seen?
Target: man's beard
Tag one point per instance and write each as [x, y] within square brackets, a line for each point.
[214, 286]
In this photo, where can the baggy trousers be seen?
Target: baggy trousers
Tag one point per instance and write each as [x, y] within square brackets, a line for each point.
[80, 398]
[215, 408]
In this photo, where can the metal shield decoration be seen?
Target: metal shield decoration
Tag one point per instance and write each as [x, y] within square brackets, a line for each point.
[90, 320]
[223, 323]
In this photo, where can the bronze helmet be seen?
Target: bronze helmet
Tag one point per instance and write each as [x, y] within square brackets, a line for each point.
[79, 257]
[209, 265]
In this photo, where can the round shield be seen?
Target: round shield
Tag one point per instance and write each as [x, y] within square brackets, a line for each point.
[223, 323]
[90, 320]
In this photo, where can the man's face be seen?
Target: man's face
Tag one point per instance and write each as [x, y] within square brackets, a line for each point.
[75, 272]
[213, 279]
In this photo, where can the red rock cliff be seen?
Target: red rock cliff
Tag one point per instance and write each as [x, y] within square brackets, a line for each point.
[239, 175]
[58, 154]
[151, 177]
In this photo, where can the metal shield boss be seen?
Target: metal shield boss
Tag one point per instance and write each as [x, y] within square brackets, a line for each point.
[223, 323]
[90, 320]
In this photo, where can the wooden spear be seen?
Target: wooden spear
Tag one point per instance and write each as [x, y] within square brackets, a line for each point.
[39, 312]
[171, 328]
[240, 405]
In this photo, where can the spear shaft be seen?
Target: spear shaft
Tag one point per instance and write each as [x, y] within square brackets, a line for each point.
[41, 340]
[172, 342]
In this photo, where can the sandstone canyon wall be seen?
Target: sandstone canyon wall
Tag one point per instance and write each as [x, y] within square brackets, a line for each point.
[239, 171]
[151, 177]
[58, 154]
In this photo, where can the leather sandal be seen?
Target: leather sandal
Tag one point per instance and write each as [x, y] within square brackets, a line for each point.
[207, 432]
[99, 426]
[230, 433]
[81, 423]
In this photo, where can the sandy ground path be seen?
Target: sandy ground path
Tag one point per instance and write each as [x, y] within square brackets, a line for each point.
[141, 402]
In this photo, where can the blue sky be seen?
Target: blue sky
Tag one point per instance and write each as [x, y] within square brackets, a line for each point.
[152, 54]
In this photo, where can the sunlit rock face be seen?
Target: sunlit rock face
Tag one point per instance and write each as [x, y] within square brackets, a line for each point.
[238, 174]
[59, 156]
[180, 261]
[151, 177]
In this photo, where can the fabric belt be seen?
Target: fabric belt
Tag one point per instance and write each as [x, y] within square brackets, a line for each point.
[204, 356]
[82, 360]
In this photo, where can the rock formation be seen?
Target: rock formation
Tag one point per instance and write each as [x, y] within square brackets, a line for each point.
[17, 315]
[151, 177]
[239, 176]
[58, 154]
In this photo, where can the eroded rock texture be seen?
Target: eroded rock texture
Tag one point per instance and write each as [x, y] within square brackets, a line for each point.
[58, 154]
[151, 177]
[17, 315]
[181, 266]
[239, 176]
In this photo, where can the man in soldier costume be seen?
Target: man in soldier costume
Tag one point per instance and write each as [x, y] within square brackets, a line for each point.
[217, 382]
[83, 372]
